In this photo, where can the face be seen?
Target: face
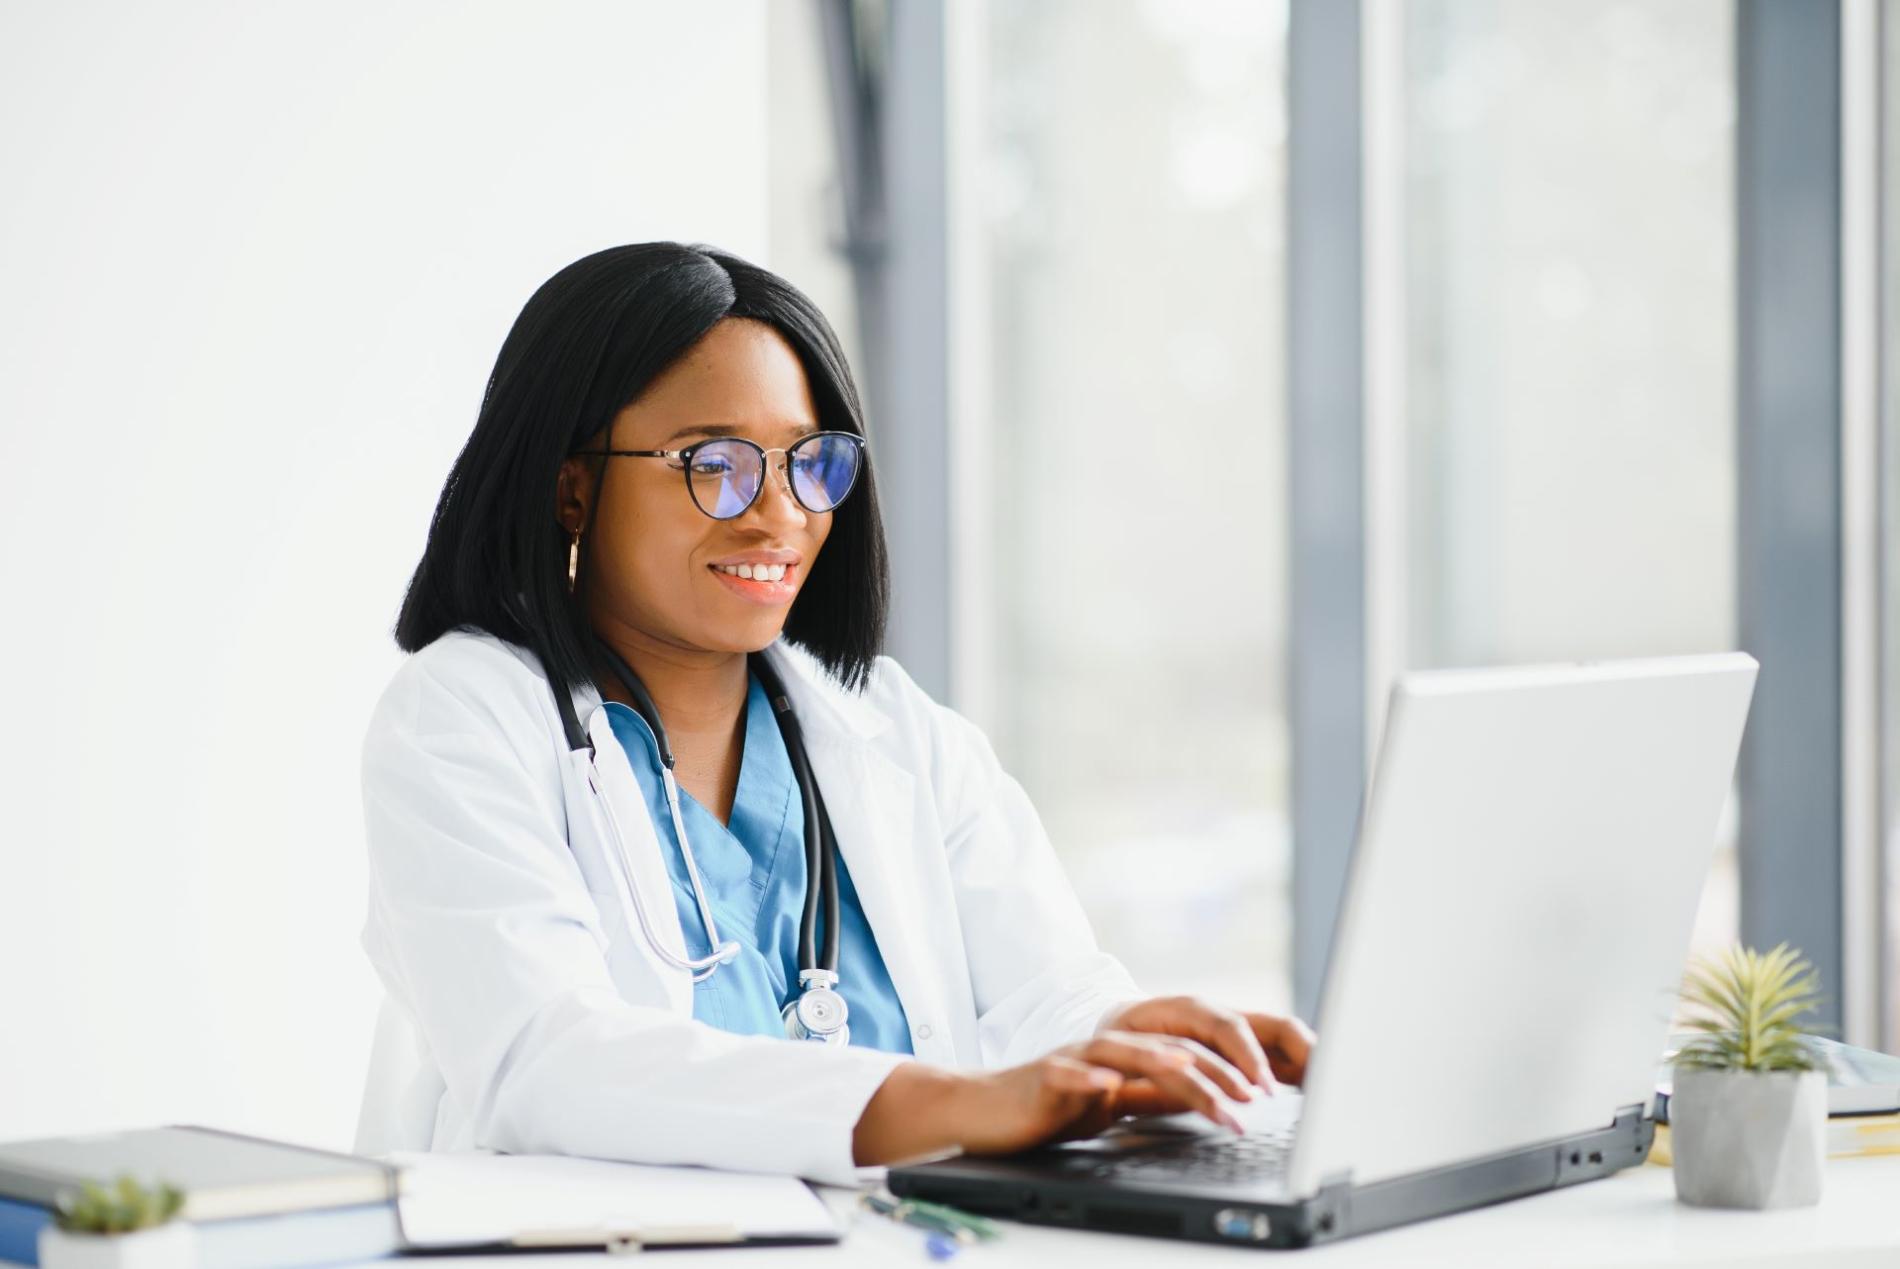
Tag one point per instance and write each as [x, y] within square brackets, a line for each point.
[653, 558]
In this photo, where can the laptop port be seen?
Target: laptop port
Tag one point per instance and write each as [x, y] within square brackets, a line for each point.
[1232, 1222]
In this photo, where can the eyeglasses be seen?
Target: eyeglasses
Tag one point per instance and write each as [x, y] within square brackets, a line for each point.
[724, 474]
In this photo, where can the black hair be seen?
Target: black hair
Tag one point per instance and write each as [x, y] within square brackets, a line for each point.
[586, 344]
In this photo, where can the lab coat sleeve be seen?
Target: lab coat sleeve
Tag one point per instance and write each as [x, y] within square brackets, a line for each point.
[483, 928]
[1039, 979]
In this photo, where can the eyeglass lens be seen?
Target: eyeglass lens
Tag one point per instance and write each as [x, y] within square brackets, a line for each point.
[725, 475]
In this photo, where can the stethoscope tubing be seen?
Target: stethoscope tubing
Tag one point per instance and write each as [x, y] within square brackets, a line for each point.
[821, 872]
[700, 967]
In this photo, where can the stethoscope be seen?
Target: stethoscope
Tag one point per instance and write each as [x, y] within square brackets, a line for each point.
[819, 1012]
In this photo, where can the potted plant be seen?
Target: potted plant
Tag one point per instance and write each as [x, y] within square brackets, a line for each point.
[1748, 1111]
[126, 1226]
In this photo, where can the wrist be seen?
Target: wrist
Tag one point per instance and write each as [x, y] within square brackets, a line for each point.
[915, 1112]
[1111, 1018]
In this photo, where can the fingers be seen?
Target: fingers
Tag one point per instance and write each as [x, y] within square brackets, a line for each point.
[1211, 1064]
[1230, 1034]
[1086, 1094]
[1288, 1043]
[1224, 1074]
[1224, 1031]
[1173, 1069]
[1064, 1074]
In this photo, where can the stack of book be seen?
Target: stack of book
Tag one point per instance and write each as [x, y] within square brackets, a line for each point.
[1848, 1136]
[255, 1203]
[1863, 1103]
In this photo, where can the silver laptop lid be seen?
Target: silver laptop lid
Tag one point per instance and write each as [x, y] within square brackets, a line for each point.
[1518, 909]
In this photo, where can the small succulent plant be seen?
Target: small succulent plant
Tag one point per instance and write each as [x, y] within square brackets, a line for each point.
[1746, 1003]
[118, 1209]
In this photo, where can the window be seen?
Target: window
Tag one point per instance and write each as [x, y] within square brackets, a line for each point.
[1570, 422]
[806, 203]
[1130, 579]
[1889, 372]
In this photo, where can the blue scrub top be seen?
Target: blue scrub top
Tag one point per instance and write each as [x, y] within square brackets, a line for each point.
[754, 874]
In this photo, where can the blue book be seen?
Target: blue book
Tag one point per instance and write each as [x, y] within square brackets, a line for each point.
[254, 1202]
[327, 1236]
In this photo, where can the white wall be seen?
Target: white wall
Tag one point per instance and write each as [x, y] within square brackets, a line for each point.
[255, 264]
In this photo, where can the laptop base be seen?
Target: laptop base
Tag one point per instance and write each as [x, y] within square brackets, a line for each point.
[1043, 1188]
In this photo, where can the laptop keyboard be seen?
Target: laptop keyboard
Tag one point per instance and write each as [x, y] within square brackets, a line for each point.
[1261, 1155]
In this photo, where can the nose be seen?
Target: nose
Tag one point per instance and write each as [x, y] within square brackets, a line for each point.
[775, 501]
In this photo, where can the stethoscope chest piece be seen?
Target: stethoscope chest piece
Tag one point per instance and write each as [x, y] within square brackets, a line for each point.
[819, 1013]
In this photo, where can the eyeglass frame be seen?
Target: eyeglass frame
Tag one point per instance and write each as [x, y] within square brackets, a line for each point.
[686, 467]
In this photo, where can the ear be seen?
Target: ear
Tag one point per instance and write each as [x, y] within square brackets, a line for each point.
[574, 492]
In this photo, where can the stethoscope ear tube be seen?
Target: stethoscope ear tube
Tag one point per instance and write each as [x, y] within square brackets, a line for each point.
[828, 881]
[571, 722]
[642, 703]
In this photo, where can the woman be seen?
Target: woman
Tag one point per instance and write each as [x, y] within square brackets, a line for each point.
[591, 911]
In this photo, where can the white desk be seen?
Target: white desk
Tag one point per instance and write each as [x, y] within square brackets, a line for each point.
[1631, 1219]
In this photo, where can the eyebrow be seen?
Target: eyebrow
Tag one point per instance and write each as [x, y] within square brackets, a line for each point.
[725, 429]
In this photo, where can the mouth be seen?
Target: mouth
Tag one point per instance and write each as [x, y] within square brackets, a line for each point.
[762, 587]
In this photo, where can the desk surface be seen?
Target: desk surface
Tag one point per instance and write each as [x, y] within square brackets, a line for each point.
[1631, 1219]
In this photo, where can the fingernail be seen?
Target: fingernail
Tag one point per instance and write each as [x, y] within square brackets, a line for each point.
[1232, 1124]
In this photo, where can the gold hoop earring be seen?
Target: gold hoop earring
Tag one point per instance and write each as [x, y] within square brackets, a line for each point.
[573, 559]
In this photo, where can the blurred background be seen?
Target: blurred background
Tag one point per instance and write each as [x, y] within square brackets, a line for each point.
[1224, 359]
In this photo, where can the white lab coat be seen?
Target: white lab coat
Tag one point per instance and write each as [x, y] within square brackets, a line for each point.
[526, 1013]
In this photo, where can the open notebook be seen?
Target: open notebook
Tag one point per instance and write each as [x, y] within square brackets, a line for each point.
[475, 1200]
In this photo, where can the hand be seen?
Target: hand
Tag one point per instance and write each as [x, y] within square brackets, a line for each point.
[1265, 1048]
[1076, 1091]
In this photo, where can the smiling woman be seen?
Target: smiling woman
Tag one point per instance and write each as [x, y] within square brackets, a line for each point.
[657, 569]
[608, 349]
[616, 937]
[744, 372]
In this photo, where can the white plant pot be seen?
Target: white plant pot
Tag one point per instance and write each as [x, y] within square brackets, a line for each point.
[173, 1245]
[1754, 1139]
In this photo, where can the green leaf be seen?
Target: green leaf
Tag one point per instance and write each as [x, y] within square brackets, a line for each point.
[1745, 1005]
[123, 1206]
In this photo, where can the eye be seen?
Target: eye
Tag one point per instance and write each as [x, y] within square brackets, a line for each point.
[712, 465]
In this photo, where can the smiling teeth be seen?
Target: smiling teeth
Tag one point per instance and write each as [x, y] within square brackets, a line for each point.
[754, 572]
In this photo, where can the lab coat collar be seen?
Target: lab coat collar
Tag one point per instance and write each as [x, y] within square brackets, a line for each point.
[816, 695]
[870, 823]
[823, 705]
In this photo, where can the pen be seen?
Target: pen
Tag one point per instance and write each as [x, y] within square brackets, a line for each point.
[963, 1227]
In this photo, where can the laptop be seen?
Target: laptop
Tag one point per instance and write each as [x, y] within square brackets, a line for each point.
[1516, 918]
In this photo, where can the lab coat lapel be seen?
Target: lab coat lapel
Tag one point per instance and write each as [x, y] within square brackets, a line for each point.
[622, 799]
[871, 802]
